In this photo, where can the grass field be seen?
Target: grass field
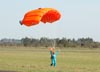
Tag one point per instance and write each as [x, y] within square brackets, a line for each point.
[38, 60]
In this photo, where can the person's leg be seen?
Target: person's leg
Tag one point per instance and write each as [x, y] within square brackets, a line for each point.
[54, 63]
[51, 64]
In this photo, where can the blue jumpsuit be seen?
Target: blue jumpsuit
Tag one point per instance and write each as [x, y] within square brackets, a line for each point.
[53, 58]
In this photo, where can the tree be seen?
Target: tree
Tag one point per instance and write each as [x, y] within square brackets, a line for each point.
[26, 41]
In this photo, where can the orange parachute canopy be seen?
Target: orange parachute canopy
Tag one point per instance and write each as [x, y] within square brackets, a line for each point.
[44, 15]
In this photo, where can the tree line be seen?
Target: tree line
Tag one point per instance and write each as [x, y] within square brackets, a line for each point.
[47, 42]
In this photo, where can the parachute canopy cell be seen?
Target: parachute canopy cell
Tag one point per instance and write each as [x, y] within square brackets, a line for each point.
[45, 15]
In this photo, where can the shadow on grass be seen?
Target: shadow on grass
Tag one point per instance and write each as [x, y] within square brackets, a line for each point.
[7, 71]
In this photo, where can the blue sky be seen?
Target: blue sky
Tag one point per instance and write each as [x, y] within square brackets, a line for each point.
[80, 18]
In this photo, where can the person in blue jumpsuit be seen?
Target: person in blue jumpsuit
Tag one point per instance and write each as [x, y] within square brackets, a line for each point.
[53, 58]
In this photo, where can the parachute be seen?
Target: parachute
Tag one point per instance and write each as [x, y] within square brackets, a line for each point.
[45, 15]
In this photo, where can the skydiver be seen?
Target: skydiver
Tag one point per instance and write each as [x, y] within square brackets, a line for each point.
[53, 57]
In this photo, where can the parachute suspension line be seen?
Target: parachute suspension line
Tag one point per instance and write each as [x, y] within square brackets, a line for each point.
[54, 43]
[54, 39]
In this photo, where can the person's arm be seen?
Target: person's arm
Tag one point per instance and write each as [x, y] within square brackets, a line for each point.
[57, 52]
[50, 52]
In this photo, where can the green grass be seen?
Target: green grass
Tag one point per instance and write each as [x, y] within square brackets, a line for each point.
[38, 60]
